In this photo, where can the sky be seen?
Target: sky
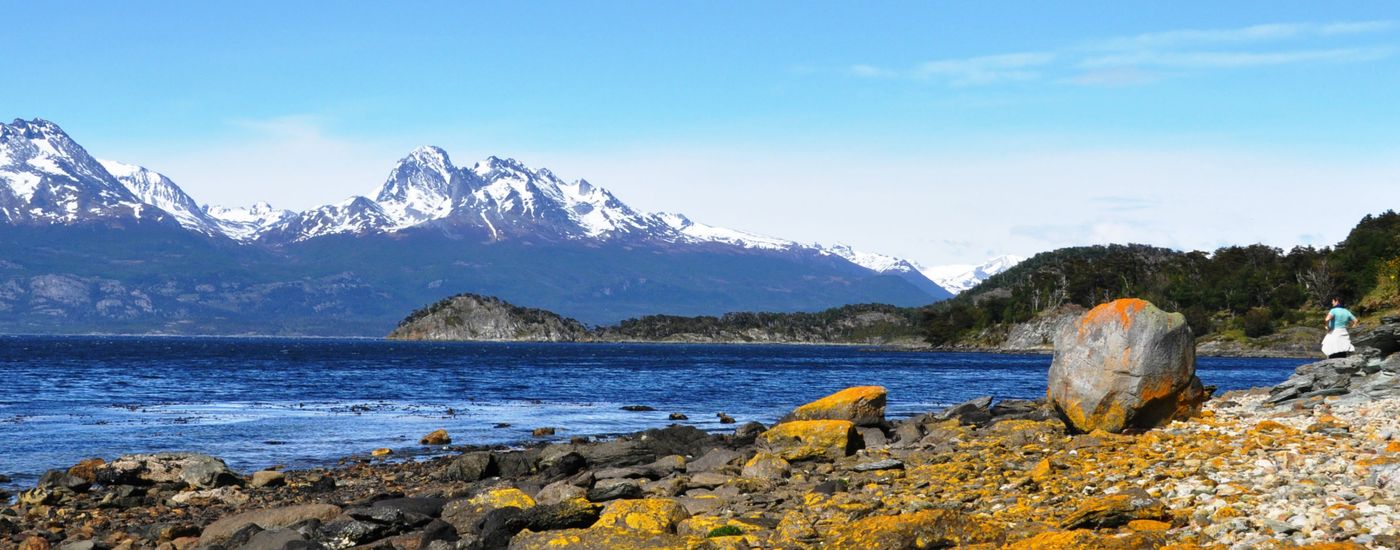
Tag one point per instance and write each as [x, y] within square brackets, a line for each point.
[942, 132]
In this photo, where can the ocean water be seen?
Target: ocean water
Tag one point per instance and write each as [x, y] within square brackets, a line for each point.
[258, 402]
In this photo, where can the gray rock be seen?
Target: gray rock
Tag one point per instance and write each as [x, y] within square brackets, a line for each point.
[716, 459]
[874, 437]
[471, 467]
[613, 489]
[973, 411]
[886, 464]
[268, 478]
[193, 469]
[1125, 365]
[271, 518]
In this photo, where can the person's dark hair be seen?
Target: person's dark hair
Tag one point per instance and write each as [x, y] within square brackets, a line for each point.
[1337, 299]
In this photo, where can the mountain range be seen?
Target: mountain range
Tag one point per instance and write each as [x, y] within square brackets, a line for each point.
[90, 245]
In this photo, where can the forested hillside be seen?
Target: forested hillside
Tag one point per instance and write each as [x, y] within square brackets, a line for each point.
[1251, 291]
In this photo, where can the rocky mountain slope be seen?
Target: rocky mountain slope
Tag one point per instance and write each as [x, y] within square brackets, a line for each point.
[105, 246]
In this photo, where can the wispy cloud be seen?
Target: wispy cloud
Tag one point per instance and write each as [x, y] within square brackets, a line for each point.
[1143, 58]
[1233, 59]
[1253, 33]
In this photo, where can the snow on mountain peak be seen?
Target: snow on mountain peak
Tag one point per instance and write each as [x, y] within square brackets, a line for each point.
[44, 171]
[957, 278]
[46, 177]
[157, 190]
[880, 263]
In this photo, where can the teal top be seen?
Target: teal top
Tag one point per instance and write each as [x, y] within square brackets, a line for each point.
[1340, 318]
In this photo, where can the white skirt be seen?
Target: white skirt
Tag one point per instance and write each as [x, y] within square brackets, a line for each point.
[1337, 341]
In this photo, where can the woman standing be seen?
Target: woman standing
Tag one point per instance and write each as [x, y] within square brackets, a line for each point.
[1337, 343]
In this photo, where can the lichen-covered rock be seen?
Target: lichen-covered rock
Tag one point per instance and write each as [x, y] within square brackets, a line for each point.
[436, 437]
[862, 405]
[1125, 365]
[465, 514]
[1115, 510]
[646, 515]
[925, 529]
[600, 539]
[812, 439]
[768, 466]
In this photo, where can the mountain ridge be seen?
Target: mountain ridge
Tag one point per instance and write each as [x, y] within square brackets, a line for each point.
[501, 196]
[89, 251]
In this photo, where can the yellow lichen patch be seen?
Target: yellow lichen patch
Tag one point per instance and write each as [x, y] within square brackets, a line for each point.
[1270, 426]
[1085, 540]
[382, 452]
[1332, 546]
[925, 529]
[863, 405]
[701, 526]
[602, 539]
[1042, 471]
[501, 498]
[1392, 447]
[647, 515]
[806, 439]
[1148, 525]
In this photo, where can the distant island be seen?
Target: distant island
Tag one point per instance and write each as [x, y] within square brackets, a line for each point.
[473, 317]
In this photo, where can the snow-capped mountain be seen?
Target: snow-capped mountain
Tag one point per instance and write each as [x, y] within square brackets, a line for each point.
[157, 190]
[957, 278]
[246, 223]
[51, 179]
[432, 229]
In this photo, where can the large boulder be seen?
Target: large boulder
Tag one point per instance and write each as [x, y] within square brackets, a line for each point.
[812, 439]
[862, 405]
[1125, 365]
[195, 470]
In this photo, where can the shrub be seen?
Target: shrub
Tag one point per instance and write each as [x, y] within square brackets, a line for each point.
[725, 531]
[1258, 322]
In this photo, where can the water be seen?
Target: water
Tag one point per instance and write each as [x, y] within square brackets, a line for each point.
[305, 402]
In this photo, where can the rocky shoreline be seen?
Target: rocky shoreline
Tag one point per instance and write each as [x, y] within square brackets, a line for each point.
[1314, 461]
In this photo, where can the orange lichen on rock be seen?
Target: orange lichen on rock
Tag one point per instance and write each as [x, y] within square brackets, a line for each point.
[809, 439]
[1083, 539]
[1119, 311]
[862, 405]
[925, 529]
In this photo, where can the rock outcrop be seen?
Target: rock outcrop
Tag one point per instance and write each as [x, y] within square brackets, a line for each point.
[1373, 372]
[862, 405]
[1125, 365]
[483, 318]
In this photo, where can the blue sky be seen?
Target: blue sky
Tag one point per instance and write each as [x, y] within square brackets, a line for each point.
[943, 132]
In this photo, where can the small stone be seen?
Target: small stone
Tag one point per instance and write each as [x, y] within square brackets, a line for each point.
[725, 419]
[638, 408]
[678, 416]
[436, 437]
[382, 452]
[543, 432]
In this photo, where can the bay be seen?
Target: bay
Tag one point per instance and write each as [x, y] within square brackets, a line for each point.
[258, 402]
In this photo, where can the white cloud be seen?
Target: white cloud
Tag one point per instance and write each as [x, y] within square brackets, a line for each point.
[1253, 33]
[1142, 59]
[1223, 60]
